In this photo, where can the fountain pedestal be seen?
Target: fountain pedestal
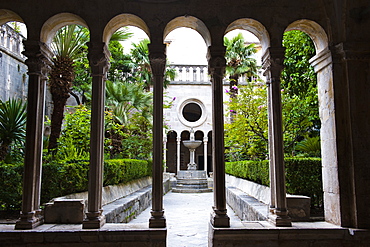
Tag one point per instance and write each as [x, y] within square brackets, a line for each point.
[192, 180]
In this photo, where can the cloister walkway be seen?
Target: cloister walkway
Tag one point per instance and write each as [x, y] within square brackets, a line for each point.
[188, 217]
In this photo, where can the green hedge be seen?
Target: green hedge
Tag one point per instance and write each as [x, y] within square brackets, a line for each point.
[303, 175]
[63, 179]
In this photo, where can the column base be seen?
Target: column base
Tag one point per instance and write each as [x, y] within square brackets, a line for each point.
[280, 220]
[29, 221]
[93, 222]
[220, 220]
[157, 220]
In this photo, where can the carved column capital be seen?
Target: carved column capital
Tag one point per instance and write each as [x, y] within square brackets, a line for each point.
[39, 58]
[157, 58]
[216, 61]
[98, 56]
[273, 63]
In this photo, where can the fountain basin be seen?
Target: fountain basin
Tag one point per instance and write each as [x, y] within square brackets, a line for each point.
[192, 144]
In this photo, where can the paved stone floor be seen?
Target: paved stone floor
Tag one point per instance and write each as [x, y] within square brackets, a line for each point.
[187, 216]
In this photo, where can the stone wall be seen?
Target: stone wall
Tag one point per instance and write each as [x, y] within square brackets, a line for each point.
[13, 70]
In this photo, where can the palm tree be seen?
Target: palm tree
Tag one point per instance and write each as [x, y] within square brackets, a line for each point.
[140, 65]
[239, 61]
[12, 124]
[124, 98]
[68, 46]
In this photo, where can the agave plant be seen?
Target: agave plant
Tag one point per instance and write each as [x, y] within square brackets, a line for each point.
[12, 124]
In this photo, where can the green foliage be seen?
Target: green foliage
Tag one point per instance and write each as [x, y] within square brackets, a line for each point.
[137, 142]
[11, 186]
[246, 136]
[12, 125]
[298, 79]
[256, 171]
[239, 61]
[125, 99]
[310, 147]
[303, 175]
[74, 142]
[124, 170]
[63, 178]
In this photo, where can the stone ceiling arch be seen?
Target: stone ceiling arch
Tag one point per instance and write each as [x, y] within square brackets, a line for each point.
[253, 26]
[123, 20]
[8, 15]
[189, 22]
[54, 23]
[314, 30]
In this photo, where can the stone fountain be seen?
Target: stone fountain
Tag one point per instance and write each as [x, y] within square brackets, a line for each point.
[192, 180]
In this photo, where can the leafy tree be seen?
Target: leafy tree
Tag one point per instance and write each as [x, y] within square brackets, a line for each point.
[298, 78]
[12, 125]
[246, 137]
[239, 61]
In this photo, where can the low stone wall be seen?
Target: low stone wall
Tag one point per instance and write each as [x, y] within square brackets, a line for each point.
[246, 207]
[250, 201]
[121, 203]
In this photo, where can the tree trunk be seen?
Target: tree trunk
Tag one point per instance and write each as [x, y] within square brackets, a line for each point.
[61, 77]
[234, 85]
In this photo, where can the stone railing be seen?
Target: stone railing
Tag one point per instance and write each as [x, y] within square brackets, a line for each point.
[190, 73]
[195, 74]
[11, 41]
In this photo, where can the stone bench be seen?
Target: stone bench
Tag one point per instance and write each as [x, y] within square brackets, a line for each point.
[121, 203]
[249, 201]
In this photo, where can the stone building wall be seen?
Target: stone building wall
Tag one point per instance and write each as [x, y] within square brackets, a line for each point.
[13, 70]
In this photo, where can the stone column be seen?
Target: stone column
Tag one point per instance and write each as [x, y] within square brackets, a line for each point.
[165, 152]
[99, 62]
[38, 62]
[205, 142]
[273, 64]
[157, 58]
[178, 139]
[216, 67]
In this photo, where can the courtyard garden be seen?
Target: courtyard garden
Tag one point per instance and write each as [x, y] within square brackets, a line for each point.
[128, 119]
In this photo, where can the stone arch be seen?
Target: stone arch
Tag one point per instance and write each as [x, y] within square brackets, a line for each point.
[123, 20]
[8, 15]
[314, 30]
[189, 22]
[54, 23]
[253, 26]
[322, 63]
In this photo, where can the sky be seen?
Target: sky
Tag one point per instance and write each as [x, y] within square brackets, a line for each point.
[187, 46]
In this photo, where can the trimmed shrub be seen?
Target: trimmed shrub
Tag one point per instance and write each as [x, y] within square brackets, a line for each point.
[11, 186]
[303, 175]
[63, 179]
[255, 171]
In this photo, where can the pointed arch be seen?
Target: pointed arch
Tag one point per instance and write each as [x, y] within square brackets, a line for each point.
[253, 26]
[54, 23]
[123, 20]
[8, 15]
[189, 22]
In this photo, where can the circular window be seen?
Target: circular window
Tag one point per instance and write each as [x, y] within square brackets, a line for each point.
[192, 112]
